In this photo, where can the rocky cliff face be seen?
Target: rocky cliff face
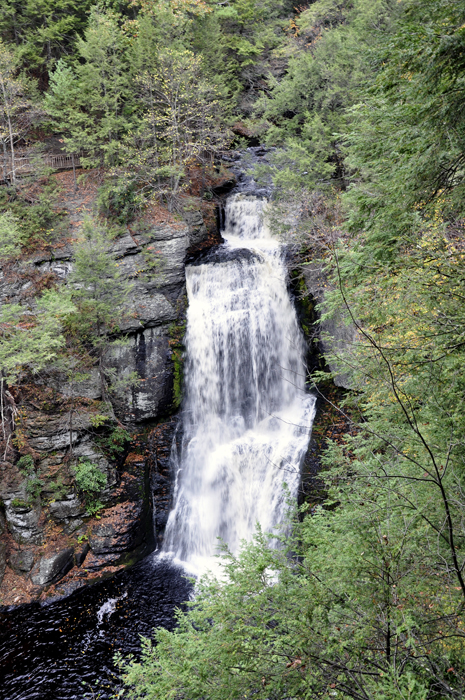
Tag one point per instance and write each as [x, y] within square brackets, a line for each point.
[50, 544]
[46, 532]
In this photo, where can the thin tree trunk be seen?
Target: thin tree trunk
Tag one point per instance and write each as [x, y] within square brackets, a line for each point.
[7, 414]
[13, 168]
[71, 412]
[154, 131]
[74, 173]
[10, 130]
[1, 405]
[4, 161]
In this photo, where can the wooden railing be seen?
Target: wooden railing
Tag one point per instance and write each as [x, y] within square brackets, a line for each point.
[62, 162]
[26, 165]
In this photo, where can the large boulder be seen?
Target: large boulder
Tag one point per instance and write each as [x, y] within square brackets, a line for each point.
[21, 561]
[23, 522]
[81, 553]
[67, 513]
[119, 530]
[65, 510]
[197, 231]
[94, 562]
[52, 568]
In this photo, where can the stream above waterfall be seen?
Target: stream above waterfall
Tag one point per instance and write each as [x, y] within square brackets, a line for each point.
[245, 425]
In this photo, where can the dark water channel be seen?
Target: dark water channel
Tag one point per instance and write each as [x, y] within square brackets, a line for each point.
[47, 651]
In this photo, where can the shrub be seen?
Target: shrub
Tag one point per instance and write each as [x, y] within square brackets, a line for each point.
[25, 464]
[119, 200]
[88, 477]
[33, 487]
[10, 235]
[114, 443]
[27, 223]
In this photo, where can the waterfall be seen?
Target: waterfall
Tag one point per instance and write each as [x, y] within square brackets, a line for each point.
[246, 417]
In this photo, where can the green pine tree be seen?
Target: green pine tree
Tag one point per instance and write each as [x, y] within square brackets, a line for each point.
[42, 31]
[100, 294]
[91, 103]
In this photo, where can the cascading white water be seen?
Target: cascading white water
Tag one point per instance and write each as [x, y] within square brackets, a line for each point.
[247, 419]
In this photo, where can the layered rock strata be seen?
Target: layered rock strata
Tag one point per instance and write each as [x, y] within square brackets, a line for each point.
[50, 536]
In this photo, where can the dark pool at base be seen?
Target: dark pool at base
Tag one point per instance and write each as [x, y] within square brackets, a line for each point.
[47, 651]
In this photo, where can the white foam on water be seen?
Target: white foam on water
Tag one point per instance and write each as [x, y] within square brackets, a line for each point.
[108, 608]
